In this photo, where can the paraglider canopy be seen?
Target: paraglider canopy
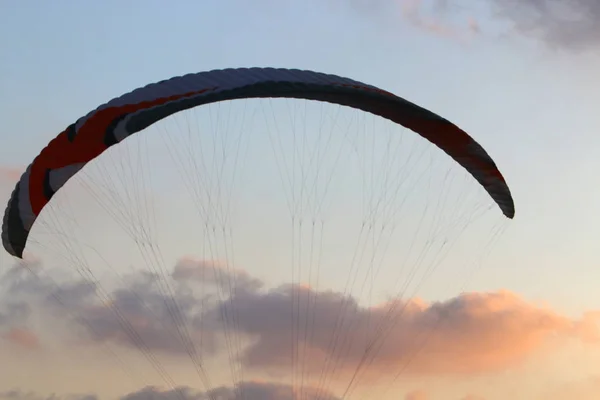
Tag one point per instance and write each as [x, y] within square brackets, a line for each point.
[132, 112]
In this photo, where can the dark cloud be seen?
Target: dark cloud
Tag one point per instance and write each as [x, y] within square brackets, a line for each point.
[243, 391]
[20, 395]
[167, 316]
[140, 311]
[485, 331]
[153, 393]
[570, 25]
[22, 288]
[155, 315]
[247, 390]
[565, 24]
[14, 313]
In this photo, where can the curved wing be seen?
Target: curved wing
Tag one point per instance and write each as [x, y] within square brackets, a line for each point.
[114, 121]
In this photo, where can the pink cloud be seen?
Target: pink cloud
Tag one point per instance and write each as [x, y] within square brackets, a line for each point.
[469, 334]
[22, 337]
[479, 332]
[434, 23]
[586, 389]
[417, 395]
[474, 26]
[567, 25]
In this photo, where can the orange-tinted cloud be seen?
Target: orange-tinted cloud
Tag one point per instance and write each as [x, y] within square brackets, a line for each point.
[412, 11]
[417, 395]
[435, 19]
[587, 389]
[335, 335]
[22, 337]
[474, 26]
[471, 333]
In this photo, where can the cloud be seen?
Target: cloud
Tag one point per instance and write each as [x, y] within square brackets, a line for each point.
[20, 395]
[433, 19]
[144, 312]
[140, 311]
[468, 334]
[215, 273]
[417, 395]
[480, 332]
[22, 337]
[586, 389]
[14, 313]
[570, 25]
[245, 390]
[561, 24]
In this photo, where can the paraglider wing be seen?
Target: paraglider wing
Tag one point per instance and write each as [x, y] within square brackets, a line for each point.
[123, 116]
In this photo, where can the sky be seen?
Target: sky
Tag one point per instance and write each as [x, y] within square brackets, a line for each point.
[517, 75]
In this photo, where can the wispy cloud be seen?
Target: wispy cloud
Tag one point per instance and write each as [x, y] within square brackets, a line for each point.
[433, 19]
[569, 25]
[214, 272]
[566, 25]
[22, 337]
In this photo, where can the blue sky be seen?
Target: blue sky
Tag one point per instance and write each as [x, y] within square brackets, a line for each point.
[532, 107]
